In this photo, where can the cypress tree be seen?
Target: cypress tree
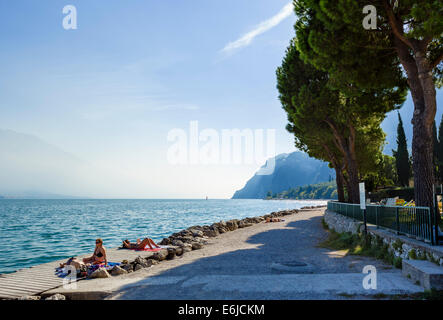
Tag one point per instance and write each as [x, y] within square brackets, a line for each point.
[440, 151]
[435, 151]
[401, 155]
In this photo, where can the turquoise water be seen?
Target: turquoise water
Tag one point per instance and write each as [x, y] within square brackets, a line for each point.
[38, 231]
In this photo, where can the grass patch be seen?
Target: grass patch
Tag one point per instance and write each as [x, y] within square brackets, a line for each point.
[324, 224]
[361, 245]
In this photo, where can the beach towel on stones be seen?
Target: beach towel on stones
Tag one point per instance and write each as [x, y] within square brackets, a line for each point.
[146, 249]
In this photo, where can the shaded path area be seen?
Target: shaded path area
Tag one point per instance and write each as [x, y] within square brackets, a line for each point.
[267, 261]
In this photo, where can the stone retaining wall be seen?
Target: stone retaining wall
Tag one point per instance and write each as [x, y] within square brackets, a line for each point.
[401, 246]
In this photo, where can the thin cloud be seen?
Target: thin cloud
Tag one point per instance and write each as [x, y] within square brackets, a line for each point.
[247, 39]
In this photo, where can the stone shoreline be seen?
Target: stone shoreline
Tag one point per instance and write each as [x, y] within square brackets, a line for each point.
[179, 243]
[192, 238]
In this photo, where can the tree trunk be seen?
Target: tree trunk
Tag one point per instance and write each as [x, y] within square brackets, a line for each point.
[422, 141]
[339, 179]
[352, 170]
[423, 93]
[347, 148]
[422, 164]
[412, 55]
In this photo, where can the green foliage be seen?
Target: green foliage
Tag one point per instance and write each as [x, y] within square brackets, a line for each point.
[412, 254]
[398, 262]
[330, 124]
[331, 37]
[403, 193]
[361, 245]
[384, 176]
[401, 156]
[398, 245]
[325, 190]
[407, 43]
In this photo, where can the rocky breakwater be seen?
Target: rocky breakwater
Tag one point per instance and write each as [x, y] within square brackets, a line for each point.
[192, 238]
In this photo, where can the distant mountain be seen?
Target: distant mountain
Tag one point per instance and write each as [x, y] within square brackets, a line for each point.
[33, 168]
[291, 170]
[37, 195]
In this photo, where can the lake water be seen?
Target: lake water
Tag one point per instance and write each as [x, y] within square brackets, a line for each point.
[38, 231]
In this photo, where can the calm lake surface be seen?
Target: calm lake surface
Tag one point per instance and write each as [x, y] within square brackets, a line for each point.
[38, 231]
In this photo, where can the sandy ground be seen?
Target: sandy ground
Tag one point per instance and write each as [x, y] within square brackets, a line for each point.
[266, 261]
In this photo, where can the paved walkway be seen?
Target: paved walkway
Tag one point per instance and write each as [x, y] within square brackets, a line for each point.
[265, 261]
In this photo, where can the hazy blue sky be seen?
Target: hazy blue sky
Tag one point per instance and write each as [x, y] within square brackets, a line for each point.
[110, 91]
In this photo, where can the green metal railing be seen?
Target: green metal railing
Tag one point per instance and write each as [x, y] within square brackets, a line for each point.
[411, 221]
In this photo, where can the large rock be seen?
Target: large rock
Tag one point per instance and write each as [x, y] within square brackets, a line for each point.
[196, 233]
[211, 233]
[117, 270]
[152, 261]
[56, 296]
[99, 273]
[179, 251]
[177, 243]
[142, 261]
[232, 225]
[138, 267]
[196, 246]
[220, 226]
[160, 255]
[128, 267]
[171, 254]
[165, 242]
[187, 247]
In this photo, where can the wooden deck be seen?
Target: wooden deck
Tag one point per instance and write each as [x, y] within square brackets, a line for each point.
[41, 278]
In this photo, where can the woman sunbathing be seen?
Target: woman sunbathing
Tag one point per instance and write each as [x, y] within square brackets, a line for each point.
[99, 255]
[140, 245]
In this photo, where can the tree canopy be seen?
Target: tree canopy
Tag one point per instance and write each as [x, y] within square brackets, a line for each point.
[406, 47]
[329, 124]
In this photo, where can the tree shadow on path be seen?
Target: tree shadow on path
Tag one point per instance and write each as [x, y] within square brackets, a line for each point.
[296, 242]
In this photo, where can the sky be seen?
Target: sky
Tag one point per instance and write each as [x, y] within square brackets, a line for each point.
[110, 91]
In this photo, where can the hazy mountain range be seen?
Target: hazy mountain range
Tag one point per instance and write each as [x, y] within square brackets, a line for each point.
[32, 168]
[291, 170]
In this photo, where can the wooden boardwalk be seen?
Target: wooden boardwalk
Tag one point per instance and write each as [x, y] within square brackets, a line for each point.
[43, 277]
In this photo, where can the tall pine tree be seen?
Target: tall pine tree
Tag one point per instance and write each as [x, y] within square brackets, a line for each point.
[401, 155]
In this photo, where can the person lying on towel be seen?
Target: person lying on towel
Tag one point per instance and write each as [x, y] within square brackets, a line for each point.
[140, 245]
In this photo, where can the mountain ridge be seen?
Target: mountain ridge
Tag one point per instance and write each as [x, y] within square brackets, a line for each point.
[291, 170]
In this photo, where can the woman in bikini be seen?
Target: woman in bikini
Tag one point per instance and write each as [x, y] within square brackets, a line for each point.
[140, 245]
[99, 255]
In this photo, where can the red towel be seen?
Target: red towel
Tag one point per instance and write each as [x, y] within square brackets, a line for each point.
[148, 249]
